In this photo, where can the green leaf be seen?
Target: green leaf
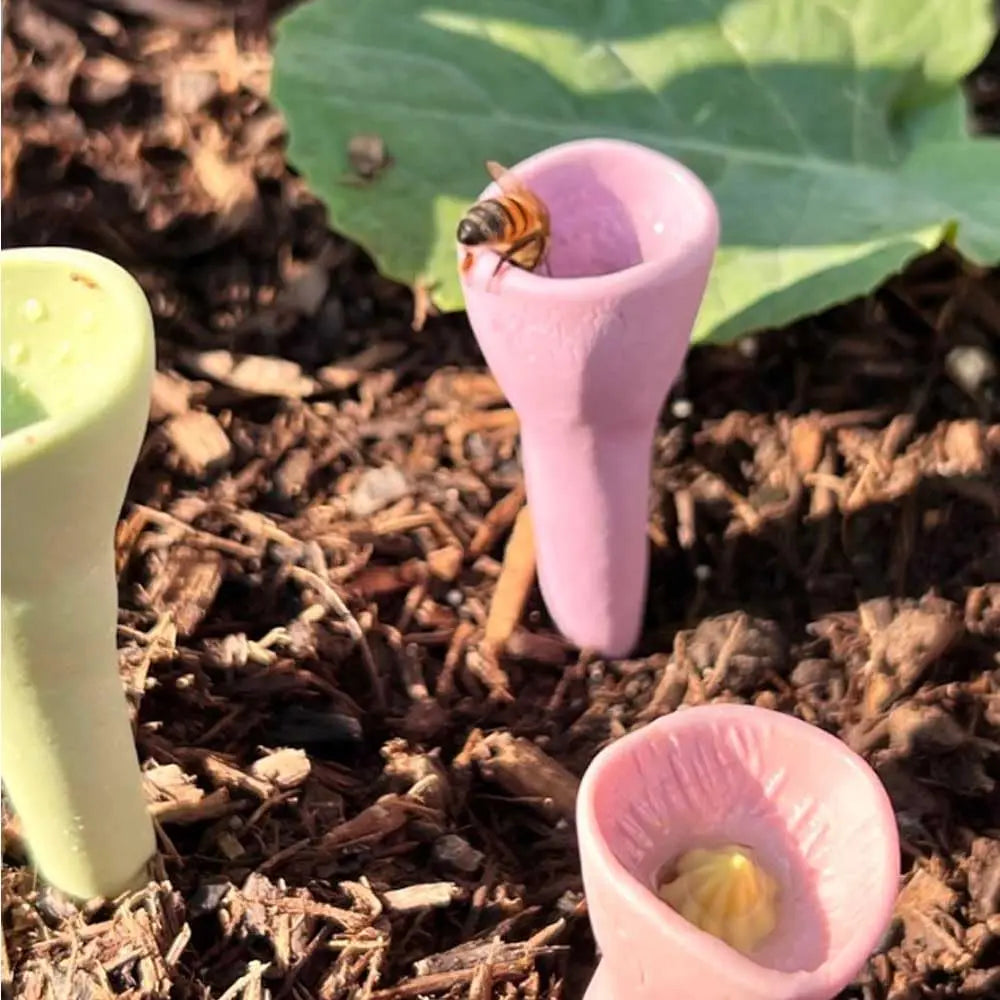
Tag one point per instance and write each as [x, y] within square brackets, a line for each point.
[831, 132]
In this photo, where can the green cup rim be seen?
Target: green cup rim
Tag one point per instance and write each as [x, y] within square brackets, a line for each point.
[135, 357]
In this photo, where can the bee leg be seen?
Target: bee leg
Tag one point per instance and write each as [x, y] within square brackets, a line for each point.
[520, 244]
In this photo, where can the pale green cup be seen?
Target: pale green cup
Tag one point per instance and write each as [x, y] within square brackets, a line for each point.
[77, 359]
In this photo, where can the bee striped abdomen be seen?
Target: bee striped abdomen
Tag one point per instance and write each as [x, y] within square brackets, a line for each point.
[485, 221]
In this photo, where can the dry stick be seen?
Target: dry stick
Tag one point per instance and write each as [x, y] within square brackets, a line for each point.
[197, 535]
[515, 583]
[211, 806]
[74, 956]
[460, 638]
[483, 663]
[381, 818]
[441, 981]
[318, 939]
[669, 692]
[715, 680]
[177, 946]
[481, 987]
[253, 976]
[166, 843]
[496, 521]
[330, 596]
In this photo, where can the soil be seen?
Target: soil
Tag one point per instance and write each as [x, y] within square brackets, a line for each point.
[359, 789]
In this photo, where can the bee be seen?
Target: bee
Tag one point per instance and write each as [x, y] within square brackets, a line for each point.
[515, 225]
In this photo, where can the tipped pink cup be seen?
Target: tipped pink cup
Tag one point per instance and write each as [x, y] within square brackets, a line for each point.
[586, 354]
[812, 811]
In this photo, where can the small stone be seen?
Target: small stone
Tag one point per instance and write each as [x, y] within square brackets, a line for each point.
[376, 489]
[454, 852]
[970, 367]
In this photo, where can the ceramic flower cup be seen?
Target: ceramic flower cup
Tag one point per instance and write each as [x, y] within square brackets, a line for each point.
[77, 364]
[812, 812]
[586, 354]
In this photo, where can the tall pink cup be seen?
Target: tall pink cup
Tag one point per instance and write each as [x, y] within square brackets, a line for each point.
[814, 814]
[586, 355]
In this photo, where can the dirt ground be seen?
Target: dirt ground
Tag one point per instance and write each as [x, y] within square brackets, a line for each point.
[347, 779]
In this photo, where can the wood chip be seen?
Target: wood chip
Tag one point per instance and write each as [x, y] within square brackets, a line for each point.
[383, 817]
[171, 395]
[284, 769]
[212, 806]
[805, 443]
[224, 774]
[185, 586]
[201, 445]
[529, 774]
[167, 783]
[348, 373]
[445, 562]
[250, 373]
[425, 896]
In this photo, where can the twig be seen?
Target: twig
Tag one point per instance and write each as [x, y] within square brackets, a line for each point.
[253, 975]
[212, 806]
[204, 538]
[515, 583]
[496, 522]
[441, 981]
[336, 603]
[717, 676]
[460, 639]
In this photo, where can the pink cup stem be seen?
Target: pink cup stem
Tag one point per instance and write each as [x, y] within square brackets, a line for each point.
[587, 487]
[586, 354]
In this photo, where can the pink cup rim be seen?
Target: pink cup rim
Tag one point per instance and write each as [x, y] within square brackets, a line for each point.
[701, 230]
[837, 969]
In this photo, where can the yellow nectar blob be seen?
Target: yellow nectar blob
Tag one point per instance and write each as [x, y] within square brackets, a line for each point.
[724, 892]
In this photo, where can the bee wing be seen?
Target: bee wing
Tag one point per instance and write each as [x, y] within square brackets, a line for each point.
[507, 181]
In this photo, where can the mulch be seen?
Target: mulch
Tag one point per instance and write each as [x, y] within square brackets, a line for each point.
[357, 795]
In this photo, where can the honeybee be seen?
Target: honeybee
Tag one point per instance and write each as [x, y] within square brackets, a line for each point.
[515, 225]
